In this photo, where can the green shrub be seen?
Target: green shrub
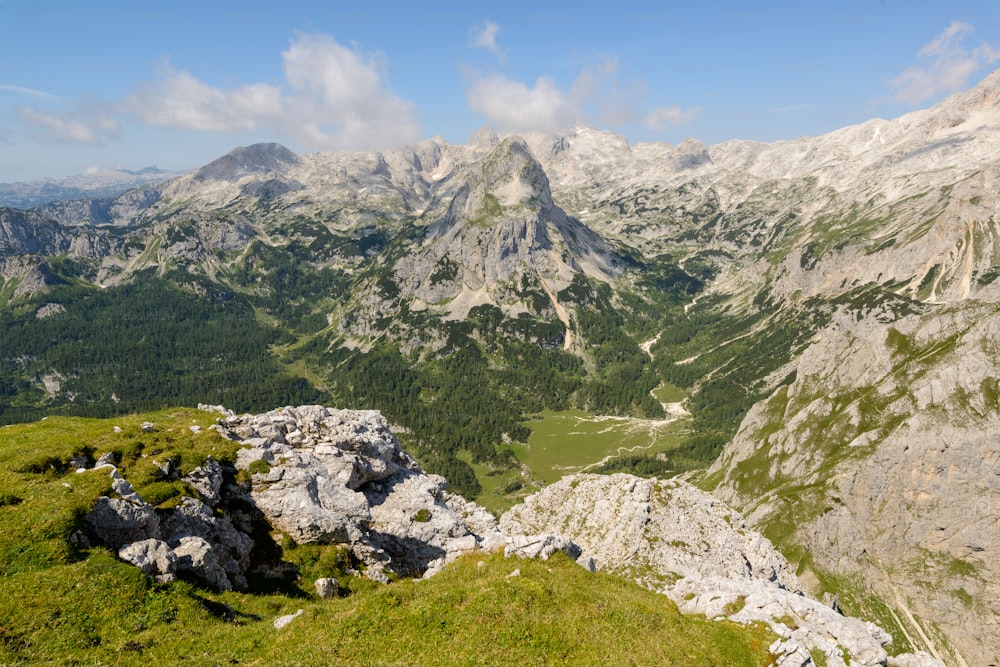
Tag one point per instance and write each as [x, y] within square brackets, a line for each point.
[259, 467]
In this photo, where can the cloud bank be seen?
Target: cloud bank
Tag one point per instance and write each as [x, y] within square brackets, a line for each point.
[597, 94]
[944, 65]
[332, 97]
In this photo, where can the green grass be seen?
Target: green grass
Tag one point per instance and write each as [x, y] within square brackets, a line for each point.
[66, 605]
[100, 611]
[567, 441]
[51, 497]
[502, 487]
[668, 393]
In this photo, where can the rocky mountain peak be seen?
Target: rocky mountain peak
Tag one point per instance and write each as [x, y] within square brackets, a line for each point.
[484, 139]
[248, 160]
[508, 180]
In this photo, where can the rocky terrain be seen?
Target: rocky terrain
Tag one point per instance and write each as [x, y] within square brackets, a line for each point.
[827, 304]
[877, 459]
[320, 475]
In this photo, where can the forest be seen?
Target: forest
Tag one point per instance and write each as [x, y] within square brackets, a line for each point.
[261, 339]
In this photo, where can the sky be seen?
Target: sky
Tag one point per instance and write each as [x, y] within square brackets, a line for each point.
[116, 84]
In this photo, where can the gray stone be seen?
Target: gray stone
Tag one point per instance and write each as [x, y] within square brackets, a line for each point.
[327, 587]
[230, 547]
[154, 557]
[105, 460]
[123, 489]
[198, 556]
[207, 480]
[119, 522]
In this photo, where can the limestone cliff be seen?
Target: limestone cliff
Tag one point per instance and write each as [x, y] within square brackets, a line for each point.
[880, 460]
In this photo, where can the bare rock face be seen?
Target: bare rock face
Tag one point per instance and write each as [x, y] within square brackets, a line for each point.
[340, 476]
[887, 431]
[678, 540]
[804, 624]
[632, 525]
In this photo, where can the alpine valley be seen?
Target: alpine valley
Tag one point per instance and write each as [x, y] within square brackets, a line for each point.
[809, 330]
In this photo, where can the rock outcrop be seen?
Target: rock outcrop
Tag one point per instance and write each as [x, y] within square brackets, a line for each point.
[318, 476]
[188, 538]
[675, 539]
[885, 433]
[321, 475]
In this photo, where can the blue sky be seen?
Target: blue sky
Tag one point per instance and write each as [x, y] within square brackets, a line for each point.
[176, 84]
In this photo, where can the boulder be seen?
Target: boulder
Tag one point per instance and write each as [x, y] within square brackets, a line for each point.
[327, 588]
[154, 557]
[119, 522]
[207, 480]
[198, 556]
[230, 547]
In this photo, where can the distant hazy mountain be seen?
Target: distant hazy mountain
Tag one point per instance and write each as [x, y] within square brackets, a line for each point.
[95, 184]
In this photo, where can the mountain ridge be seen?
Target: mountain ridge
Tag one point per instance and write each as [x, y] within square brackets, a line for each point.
[782, 288]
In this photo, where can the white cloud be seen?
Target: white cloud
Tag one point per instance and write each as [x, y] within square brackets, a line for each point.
[78, 126]
[484, 36]
[332, 97]
[26, 91]
[944, 65]
[180, 100]
[658, 119]
[595, 94]
[511, 105]
[339, 99]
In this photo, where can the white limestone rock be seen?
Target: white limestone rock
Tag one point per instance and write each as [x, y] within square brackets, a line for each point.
[665, 528]
[283, 621]
[198, 555]
[207, 481]
[799, 620]
[230, 548]
[327, 587]
[119, 522]
[154, 557]
[540, 546]
[680, 541]
[340, 476]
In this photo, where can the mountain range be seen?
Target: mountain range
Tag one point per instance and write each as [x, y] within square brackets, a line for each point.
[827, 305]
[95, 183]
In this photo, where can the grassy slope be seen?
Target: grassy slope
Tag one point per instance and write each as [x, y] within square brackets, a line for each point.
[564, 442]
[60, 605]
